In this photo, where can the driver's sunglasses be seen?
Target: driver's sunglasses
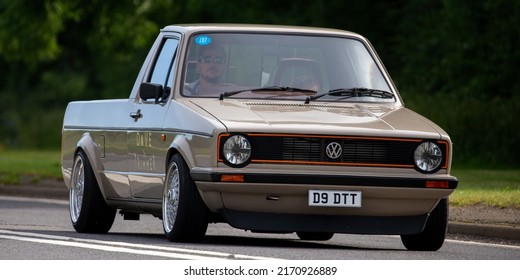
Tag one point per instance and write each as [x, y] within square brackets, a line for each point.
[210, 59]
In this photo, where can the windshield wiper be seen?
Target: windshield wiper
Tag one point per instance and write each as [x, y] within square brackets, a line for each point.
[354, 92]
[270, 88]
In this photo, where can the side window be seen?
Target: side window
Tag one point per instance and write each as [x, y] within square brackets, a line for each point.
[163, 70]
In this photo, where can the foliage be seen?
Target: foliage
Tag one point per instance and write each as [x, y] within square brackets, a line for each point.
[454, 61]
[462, 72]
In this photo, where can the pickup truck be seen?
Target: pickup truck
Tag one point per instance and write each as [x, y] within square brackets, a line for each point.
[272, 129]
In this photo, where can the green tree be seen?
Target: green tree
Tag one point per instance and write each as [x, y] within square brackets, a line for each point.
[55, 51]
[459, 67]
[454, 61]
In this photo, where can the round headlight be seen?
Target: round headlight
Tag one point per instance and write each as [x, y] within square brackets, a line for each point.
[237, 150]
[428, 157]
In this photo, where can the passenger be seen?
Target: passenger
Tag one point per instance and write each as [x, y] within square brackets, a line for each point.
[306, 82]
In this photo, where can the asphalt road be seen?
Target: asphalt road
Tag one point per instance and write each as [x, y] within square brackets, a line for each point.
[37, 239]
[40, 229]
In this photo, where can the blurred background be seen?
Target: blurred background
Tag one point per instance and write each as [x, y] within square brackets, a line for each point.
[454, 61]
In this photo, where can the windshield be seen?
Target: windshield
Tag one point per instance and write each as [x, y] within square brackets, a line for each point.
[277, 66]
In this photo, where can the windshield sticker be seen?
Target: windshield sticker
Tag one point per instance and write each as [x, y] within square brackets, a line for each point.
[202, 40]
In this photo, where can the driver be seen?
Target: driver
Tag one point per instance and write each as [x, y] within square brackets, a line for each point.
[211, 65]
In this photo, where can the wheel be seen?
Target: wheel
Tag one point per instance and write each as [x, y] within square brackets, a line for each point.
[319, 236]
[89, 212]
[432, 238]
[184, 214]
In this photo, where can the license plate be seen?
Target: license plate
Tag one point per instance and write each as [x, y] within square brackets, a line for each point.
[335, 198]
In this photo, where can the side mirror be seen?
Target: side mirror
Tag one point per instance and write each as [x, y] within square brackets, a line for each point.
[150, 90]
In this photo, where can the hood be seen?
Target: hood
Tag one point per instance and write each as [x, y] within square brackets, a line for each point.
[367, 119]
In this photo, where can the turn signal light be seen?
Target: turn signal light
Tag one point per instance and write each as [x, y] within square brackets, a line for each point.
[232, 178]
[437, 184]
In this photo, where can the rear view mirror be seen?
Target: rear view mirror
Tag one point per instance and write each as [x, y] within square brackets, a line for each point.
[150, 90]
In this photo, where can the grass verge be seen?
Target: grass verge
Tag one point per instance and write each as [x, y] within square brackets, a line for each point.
[497, 188]
[21, 166]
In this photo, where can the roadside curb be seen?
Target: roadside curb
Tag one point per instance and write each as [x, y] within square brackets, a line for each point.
[49, 190]
[498, 231]
[57, 190]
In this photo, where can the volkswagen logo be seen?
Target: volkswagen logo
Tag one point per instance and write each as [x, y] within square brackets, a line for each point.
[333, 150]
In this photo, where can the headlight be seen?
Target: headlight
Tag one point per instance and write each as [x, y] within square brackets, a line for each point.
[237, 150]
[428, 157]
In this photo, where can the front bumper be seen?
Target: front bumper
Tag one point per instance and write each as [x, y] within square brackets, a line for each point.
[333, 180]
[282, 193]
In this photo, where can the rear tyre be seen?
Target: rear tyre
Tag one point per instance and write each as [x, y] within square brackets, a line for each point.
[318, 236]
[184, 214]
[89, 212]
[432, 238]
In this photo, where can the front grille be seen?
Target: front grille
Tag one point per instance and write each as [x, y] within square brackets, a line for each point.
[356, 151]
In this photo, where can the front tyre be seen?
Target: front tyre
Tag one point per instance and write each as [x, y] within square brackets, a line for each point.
[184, 214]
[89, 212]
[432, 238]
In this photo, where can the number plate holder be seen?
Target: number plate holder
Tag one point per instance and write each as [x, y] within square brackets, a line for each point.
[322, 198]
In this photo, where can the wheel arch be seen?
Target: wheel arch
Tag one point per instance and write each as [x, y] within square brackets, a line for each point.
[180, 146]
[88, 146]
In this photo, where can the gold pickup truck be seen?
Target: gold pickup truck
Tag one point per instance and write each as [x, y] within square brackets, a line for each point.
[267, 128]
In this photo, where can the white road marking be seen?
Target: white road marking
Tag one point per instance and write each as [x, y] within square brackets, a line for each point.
[218, 255]
[30, 199]
[123, 247]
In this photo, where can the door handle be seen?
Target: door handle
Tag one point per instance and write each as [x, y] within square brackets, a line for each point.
[136, 115]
